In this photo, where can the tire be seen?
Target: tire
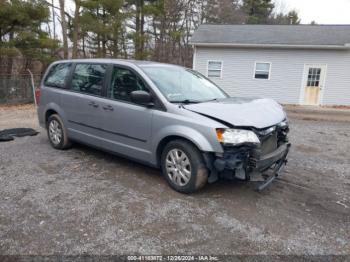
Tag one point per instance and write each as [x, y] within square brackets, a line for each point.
[56, 127]
[190, 165]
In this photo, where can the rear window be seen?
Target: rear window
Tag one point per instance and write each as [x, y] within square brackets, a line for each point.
[57, 75]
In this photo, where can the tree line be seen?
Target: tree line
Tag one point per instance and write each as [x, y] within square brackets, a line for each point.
[158, 30]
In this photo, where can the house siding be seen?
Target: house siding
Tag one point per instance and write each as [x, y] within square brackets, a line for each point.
[287, 70]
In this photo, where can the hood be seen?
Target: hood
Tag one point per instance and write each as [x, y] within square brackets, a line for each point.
[243, 112]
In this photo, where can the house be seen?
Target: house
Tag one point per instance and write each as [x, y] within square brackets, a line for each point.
[293, 64]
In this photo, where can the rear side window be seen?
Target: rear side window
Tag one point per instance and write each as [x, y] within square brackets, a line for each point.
[88, 78]
[57, 75]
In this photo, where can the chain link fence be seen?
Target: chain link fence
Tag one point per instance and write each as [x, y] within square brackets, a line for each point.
[17, 89]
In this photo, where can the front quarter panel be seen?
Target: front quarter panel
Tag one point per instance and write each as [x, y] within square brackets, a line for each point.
[191, 126]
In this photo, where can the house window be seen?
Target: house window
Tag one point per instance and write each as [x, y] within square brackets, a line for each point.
[262, 70]
[214, 68]
[314, 77]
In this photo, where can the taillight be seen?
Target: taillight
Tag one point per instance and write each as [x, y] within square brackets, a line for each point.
[37, 95]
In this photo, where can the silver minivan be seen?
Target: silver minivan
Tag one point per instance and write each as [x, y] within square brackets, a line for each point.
[165, 116]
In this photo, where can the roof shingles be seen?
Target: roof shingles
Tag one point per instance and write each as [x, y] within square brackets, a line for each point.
[303, 35]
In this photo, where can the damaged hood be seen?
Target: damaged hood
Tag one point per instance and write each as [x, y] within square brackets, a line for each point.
[248, 112]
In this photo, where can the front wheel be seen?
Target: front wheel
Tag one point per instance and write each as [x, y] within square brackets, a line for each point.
[183, 166]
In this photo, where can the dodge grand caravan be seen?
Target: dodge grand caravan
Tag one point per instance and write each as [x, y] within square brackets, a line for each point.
[165, 116]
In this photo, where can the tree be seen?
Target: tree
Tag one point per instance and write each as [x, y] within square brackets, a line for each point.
[64, 28]
[102, 22]
[138, 10]
[143, 29]
[21, 30]
[258, 11]
[224, 12]
[76, 28]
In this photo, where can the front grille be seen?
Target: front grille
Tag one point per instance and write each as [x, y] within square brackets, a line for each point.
[270, 138]
[269, 143]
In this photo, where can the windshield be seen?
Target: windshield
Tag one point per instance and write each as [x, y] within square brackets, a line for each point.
[183, 85]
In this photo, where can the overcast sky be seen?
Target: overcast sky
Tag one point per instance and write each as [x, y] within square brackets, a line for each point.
[321, 11]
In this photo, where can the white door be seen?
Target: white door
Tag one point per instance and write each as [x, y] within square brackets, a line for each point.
[314, 78]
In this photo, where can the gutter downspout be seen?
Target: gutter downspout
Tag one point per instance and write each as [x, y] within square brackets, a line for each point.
[194, 57]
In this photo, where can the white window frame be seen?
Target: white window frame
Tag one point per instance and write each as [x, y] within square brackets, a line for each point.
[221, 68]
[261, 62]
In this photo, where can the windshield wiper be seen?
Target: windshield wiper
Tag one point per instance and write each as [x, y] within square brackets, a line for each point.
[187, 101]
[211, 100]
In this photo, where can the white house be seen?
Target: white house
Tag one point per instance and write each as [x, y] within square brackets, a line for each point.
[293, 64]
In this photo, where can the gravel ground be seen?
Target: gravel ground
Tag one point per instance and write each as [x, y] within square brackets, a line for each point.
[86, 201]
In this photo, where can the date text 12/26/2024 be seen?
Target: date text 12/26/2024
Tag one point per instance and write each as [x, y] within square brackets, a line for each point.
[173, 258]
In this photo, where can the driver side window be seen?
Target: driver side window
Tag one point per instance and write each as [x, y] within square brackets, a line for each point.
[123, 82]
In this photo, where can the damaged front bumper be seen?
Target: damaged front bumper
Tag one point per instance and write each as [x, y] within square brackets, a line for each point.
[242, 163]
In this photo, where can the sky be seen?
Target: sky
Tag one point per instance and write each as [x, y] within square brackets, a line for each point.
[320, 11]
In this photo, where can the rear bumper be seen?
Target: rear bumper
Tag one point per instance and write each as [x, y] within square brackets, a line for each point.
[41, 117]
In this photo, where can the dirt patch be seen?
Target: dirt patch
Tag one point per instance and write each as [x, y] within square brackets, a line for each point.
[307, 149]
[339, 107]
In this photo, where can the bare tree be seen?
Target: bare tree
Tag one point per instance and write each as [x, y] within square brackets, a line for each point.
[53, 20]
[64, 29]
[76, 28]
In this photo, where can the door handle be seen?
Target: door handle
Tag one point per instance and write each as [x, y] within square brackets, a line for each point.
[109, 108]
[92, 103]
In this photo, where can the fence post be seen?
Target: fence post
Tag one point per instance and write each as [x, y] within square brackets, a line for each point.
[33, 87]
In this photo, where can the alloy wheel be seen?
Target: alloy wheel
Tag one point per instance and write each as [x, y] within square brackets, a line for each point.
[178, 167]
[55, 132]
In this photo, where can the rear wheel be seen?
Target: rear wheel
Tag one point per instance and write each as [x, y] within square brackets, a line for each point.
[183, 166]
[57, 132]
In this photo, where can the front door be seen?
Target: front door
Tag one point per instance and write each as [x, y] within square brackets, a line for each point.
[314, 76]
[127, 125]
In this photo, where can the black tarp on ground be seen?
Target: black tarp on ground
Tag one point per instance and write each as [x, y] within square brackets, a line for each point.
[9, 134]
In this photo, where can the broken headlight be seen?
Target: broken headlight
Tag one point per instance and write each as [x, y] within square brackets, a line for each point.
[236, 137]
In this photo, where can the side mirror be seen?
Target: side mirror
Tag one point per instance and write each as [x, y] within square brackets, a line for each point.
[141, 97]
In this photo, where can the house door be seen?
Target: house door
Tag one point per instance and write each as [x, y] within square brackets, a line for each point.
[314, 76]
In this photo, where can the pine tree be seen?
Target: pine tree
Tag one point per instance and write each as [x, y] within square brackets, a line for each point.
[258, 11]
[224, 12]
[139, 10]
[102, 21]
[21, 29]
